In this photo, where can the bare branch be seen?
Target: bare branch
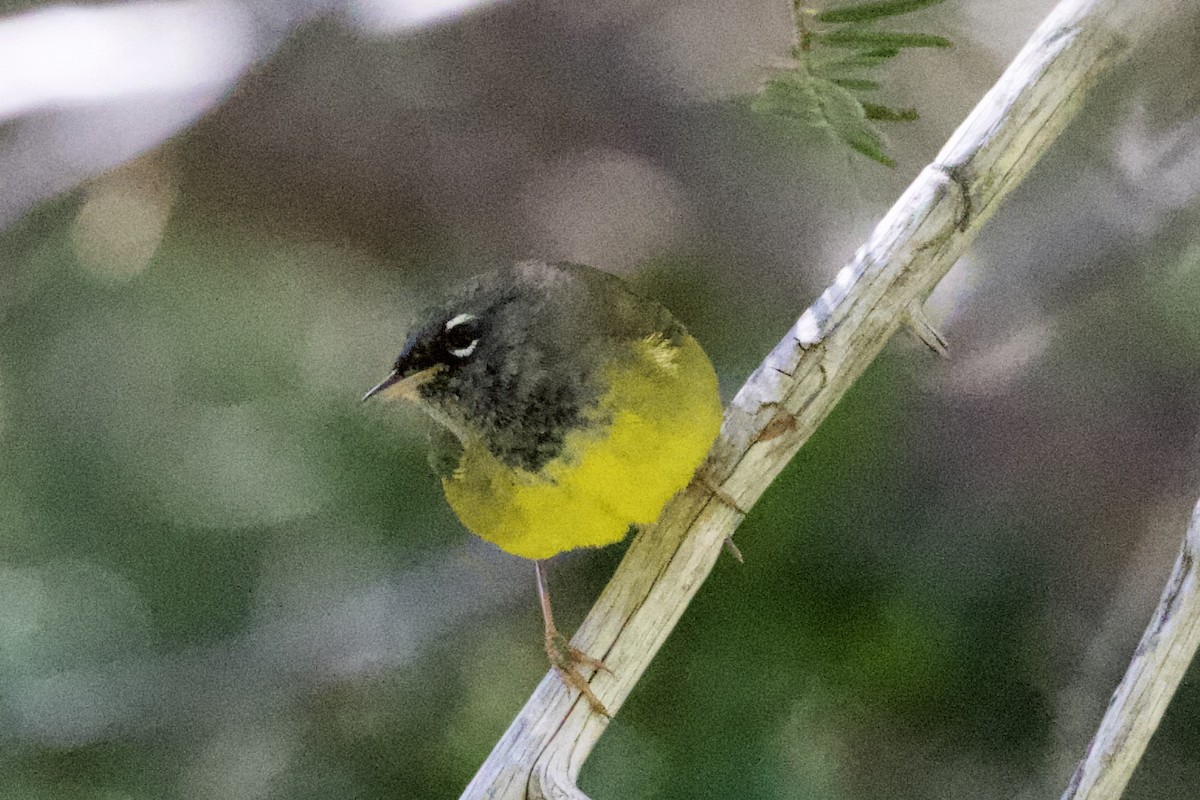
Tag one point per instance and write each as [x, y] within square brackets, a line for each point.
[805, 376]
[1159, 663]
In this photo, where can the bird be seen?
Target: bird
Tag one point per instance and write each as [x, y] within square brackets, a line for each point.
[568, 408]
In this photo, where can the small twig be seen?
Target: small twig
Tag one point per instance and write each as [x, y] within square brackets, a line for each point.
[805, 376]
[1159, 663]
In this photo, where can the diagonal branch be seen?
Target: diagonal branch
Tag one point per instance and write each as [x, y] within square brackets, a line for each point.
[804, 377]
[1159, 663]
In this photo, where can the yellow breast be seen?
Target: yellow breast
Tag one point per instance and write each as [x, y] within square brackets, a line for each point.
[651, 430]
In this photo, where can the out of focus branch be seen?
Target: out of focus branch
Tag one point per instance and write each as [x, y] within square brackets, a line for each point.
[806, 374]
[86, 88]
[1159, 663]
[63, 56]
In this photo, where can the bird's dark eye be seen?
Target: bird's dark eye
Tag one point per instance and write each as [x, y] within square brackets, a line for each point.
[461, 335]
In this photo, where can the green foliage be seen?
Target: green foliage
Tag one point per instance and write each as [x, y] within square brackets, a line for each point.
[885, 114]
[838, 52]
[866, 12]
[859, 39]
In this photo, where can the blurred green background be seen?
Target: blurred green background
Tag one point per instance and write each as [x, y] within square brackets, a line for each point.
[223, 577]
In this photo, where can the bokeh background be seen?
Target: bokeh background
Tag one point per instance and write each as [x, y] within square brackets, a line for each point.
[222, 577]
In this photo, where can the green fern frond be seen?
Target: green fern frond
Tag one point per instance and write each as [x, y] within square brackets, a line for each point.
[867, 59]
[859, 38]
[857, 84]
[884, 114]
[839, 54]
[866, 12]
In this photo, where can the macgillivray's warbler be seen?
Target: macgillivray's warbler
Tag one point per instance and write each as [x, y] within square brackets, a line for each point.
[569, 409]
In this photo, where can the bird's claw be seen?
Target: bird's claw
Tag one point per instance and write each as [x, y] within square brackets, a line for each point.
[566, 660]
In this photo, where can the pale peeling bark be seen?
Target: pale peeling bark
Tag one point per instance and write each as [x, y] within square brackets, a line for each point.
[805, 376]
[1159, 664]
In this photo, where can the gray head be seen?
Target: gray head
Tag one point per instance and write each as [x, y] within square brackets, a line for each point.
[513, 358]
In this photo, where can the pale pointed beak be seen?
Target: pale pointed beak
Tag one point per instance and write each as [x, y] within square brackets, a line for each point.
[390, 380]
[394, 387]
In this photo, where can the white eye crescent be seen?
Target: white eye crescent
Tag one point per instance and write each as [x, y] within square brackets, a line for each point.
[463, 352]
[459, 320]
[466, 349]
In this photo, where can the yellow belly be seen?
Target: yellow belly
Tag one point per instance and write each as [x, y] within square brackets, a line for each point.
[661, 414]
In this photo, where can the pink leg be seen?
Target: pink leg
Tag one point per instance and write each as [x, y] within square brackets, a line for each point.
[563, 657]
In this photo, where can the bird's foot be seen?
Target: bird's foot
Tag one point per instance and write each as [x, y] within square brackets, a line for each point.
[705, 479]
[566, 660]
